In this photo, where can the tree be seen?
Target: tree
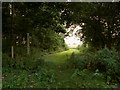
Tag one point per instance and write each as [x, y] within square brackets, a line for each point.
[26, 17]
[101, 22]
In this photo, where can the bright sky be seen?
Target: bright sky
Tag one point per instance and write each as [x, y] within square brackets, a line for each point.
[73, 41]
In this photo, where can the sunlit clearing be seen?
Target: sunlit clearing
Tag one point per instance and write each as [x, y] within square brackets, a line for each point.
[73, 39]
[72, 42]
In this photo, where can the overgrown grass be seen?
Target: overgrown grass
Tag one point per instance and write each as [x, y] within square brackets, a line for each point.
[60, 57]
[53, 79]
[53, 71]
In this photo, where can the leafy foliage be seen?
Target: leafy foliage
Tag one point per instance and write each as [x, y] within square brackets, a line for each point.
[105, 61]
[77, 62]
[14, 80]
[42, 22]
[27, 63]
[91, 79]
[101, 22]
[47, 39]
[24, 79]
[57, 75]
[82, 60]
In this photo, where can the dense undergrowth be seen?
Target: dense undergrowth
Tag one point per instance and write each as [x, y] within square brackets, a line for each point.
[103, 61]
[87, 69]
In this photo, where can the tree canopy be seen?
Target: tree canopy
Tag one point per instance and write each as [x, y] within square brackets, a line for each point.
[100, 21]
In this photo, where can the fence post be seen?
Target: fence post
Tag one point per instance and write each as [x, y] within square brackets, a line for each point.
[28, 44]
[12, 51]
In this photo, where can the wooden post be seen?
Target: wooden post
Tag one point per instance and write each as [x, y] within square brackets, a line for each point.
[12, 52]
[11, 14]
[28, 44]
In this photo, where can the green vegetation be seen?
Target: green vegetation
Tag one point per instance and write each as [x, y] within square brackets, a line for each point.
[68, 69]
[60, 57]
[34, 54]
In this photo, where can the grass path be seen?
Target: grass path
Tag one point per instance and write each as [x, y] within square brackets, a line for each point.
[60, 57]
[59, 67]
[65, 76]
[57, 71]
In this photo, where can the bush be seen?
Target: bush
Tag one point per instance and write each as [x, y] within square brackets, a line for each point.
[20, 50]
[47, 39]
[77, 61]
[81, 61]
[12, 78]
[7, 61]
[45, 76]
[83, 49]
[29, 63]
[6, 45]
[107, 61]
[15, 79]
